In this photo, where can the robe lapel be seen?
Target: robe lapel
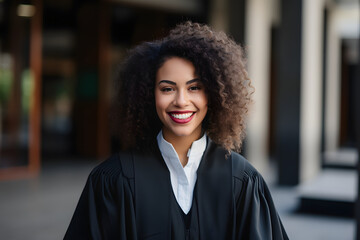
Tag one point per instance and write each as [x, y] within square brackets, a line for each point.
[214, 194]
[152, 194]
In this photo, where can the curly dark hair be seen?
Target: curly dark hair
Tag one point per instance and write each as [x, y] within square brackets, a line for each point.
[220, 64]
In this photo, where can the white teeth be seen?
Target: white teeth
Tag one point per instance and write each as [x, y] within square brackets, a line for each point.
[182, 115]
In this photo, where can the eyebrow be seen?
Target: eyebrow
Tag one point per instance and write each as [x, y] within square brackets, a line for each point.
[173, 83]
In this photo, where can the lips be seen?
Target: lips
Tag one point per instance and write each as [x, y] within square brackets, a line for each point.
[181, 117]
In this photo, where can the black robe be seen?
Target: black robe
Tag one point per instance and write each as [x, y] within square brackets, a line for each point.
[133, 199]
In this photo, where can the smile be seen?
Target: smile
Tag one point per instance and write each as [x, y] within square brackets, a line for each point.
[181, 117]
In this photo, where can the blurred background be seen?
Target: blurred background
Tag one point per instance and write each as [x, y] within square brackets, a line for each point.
[58, 60]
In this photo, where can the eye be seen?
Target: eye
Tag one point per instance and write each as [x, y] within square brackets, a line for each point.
[194, 88]
[166, 89]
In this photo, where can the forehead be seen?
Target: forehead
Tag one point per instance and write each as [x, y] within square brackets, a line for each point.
[176, 68]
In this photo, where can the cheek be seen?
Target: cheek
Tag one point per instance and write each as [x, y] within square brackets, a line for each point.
[157, 103]
[205, 109]
[160, 103]
[203, 101]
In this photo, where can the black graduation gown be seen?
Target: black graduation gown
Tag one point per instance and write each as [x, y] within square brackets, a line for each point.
[135, 201]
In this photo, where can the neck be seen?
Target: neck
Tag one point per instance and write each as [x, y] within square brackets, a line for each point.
[181, 144]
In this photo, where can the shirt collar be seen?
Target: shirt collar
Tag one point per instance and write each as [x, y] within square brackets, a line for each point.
[168, 151]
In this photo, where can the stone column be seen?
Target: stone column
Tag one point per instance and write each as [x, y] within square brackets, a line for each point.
[218, 17]
[287, 98]
[257, 37]
[311, 89]
[332, 106]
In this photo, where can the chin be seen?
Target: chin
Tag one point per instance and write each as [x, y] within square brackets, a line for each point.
[183, 132]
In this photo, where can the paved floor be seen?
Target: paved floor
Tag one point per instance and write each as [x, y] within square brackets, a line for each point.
[307, 226]
[41, 208]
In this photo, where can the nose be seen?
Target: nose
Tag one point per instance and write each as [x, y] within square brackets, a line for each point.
[181, 99]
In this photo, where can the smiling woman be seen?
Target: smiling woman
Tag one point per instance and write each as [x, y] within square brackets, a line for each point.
[181, 104]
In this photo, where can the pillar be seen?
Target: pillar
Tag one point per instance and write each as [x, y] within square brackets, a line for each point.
[287, 99]
[311, 89]
[218, 17]
[332, 107]
[258, 26]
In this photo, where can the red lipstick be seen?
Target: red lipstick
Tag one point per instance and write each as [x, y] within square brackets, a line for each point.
[177, 118]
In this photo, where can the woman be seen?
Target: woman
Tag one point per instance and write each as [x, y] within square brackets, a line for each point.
[182, 104]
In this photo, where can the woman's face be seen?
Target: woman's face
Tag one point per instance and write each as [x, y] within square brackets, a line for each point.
[181, 100]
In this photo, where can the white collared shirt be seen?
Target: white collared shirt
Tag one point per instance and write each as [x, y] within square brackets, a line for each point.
[183, 179]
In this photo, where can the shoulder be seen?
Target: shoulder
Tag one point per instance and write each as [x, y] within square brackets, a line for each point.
[247, 178]
[242, 168]
[109, 168]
